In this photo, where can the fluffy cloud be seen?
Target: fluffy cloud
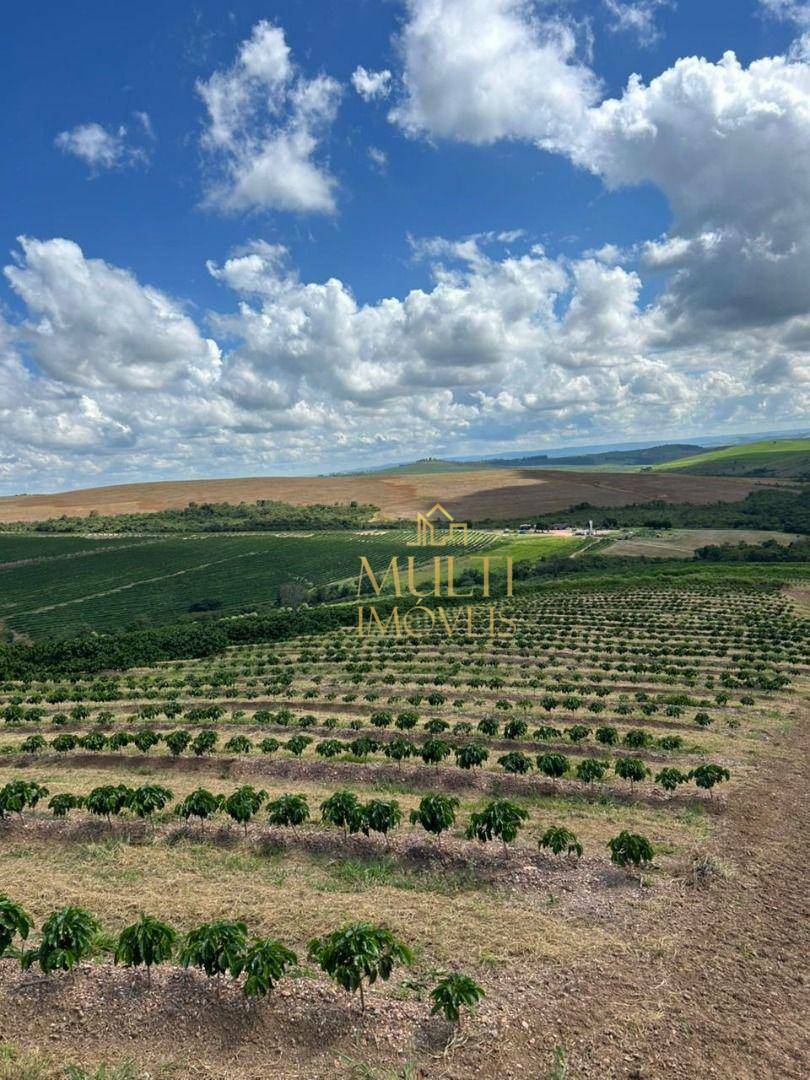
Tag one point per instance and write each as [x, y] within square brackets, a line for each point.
[371, 84]
[482, 70]
[100, 148]
[91, 324]
[265, 125]
[728, 145]
[503, 346]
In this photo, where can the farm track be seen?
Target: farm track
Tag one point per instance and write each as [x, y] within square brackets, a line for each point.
[736, 1004]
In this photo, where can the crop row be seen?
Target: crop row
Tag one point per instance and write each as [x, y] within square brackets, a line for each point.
[433, 751]
[355, 955]
[436, 813]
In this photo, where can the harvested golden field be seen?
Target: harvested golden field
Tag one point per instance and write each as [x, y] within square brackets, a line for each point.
[490, 493]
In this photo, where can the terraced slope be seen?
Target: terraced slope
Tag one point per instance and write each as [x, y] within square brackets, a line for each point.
[578, 957]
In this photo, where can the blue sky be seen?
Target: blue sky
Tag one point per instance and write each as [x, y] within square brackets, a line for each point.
[109, 147]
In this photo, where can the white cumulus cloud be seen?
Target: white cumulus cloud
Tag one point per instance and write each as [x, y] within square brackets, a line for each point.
[265, 125]
[101, 148]
[93, 324]
[371, 84]
[482, 70]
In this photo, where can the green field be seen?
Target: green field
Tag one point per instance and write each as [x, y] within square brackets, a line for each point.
[15, 547]
[776, 457]
[77, 584]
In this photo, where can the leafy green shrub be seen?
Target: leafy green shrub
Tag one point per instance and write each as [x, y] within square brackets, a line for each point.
[607, 736]
[515, 728]
[670, 742]
[381, 815]
[148, 799]
[515, 762]
[108, 800]
[217, 947]
[238, 744]
[14, 922]
[707, 776]
[578, 732]
[145, 943]
[669, 778]
[631, 769]
[329, 748]
[67, 937]
[547, 733]
[358, 953]
[342, 809]
[471, 755]
[489, 726]
[204, 742]
[61, 804]
[399, 749]
[637, 738]
[288, 810]
[434, 751]
[435, 813]
[560, 840]
[200, 803]
[628, 849]
[93, 741]
[17, 794]
[451, 994]
[298, 744]
[499, 818]
[264, 963]
[145, 740]
[552, 765]
[590, 769]
[33, 744]
[178, 741]
[63, 742]
[243, 804]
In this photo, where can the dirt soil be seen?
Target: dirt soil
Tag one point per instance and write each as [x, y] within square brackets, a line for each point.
[468, 496]
[700, 977]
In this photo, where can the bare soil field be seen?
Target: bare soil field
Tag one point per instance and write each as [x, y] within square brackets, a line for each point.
[683, 543]
[468, 495]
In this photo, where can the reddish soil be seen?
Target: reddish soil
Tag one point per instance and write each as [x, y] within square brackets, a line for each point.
[468, 496]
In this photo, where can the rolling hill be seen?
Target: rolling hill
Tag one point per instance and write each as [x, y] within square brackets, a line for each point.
[470, 495]
[779, 458]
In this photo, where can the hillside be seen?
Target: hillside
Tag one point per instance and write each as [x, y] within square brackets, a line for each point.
[619, 459]
[772, 458]
[471, 495]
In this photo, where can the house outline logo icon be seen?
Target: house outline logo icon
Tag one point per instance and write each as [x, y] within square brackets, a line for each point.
[426, 528]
